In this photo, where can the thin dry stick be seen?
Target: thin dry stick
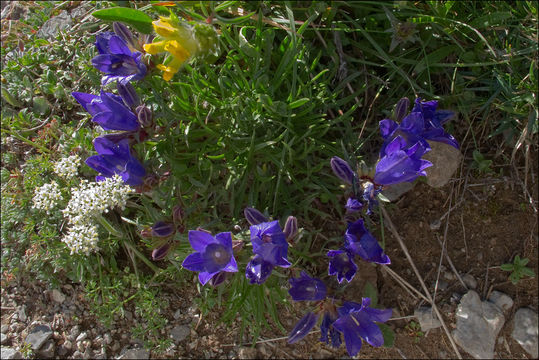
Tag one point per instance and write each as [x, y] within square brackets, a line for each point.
[404, 283]
[425, 289]
[464, 235]
[451, 262]
[268, 340]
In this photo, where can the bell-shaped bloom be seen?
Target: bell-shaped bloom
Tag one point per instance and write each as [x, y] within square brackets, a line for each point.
[327, 331]
[357, 321]
[116, 60]
[253, 216]
[258, 270]
[306, 288]
[401, 163]
[352, 205]
[128, 94]
[423, 123]
[115, 158]
[213, 254]
[342, 170]
[108, 111]
[401, 109]
[269, 241]
[303, 327]
[359, 241]
[219, 278]
[342, 265]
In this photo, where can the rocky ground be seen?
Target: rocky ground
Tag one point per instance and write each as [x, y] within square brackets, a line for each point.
[489, 220]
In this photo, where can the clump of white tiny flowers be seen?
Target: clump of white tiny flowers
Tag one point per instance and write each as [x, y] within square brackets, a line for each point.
[88, 200]
[82, 239]
[47, 197]
[67, 168]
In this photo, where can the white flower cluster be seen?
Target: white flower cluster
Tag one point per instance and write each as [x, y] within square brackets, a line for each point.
[82, 239]
[88, 200]
[68, 167]
[47, 197]
[94, 198]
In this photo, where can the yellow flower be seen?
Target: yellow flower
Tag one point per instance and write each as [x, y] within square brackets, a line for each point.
[178, 40]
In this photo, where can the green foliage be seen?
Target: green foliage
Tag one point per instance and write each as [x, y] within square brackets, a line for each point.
[518, 269]
[414, 330]
[138, 19]
[482, 164]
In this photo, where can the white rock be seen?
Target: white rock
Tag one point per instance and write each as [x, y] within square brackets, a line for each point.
[57, 296]
[478, 325]
[502, 300]
[4, 339]
[38, 336]
[470, 281]
[10, 353]
[525, 330]
[427, 319]
[135, 354]
[445, 161]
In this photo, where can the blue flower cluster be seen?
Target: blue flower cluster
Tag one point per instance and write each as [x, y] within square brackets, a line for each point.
[122, 113]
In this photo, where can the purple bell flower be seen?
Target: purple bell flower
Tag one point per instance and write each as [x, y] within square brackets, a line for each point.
[306, 288]
[115, 158]
[357, 321]
[303, 327]
[160, 252]
[401, 163]
[253, 216]
[352, 205]
[326, 328]
[258, 270]
[108, 110]
[342, 265]
[116, 60]
[163, 229]
[359, 241]
[342, 170]
[213, 254]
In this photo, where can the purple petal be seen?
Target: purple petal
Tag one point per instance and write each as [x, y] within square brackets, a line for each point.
[303, 327]
[347, 326]
[205, 276]
[199, 240]
[118, 46]
[368, 330]
[225, 238]
[387, 127]
[194, 262]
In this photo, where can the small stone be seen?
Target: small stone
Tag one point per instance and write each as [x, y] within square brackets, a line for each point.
[445, 161]
[394, 192]
[47, 350]
[52, 26]
[449, 276]
[75, 331]
[57, 296]
[247, 353]
[82, 336]
[478, 325]
[128, 315]
[470, 281]
[180, 333]
[427, 319]
[107, 339]
[525, 330]
[10, 353]
[4, 329]
[115, 347]
[68, 345]
[135, 354]
[177, 314]
[77, 355]
[38, 336]
[502, 300]
[22, 313]
[5, 339]
[435, 225]
[442, 285]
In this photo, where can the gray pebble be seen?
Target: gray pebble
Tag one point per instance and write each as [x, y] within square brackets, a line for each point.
[5, 339]
[525, 330]
[4, 329]
[47, 350]
[180, 333]
[82, 336]
[38, 336]
[470, 281]
[502, 300]
[10, 353]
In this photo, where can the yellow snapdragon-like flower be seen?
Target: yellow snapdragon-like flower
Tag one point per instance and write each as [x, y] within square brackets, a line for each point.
[178, 40]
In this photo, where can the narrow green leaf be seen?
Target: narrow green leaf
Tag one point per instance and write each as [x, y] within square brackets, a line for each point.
[138, 19]
[298, 103]
[389, 335]
[528, 272]
[506, 267]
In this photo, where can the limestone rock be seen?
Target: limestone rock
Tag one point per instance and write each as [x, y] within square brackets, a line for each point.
[478, 325]
[51, 27]
[135, 354]
[180, 333]
[525, 330]
[57, 296]
[10, 353]
[445, 161]
[38, 336]
[503, 301]
[427, 318]
[394, 192]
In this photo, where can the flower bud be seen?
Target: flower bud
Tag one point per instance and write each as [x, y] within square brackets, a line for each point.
[219, 278]
[146, 232]
[177, 214]
[401, 109]
[144, 116]
[342, 170]
[163, 229]
[291, 228]
[253, 216]
[128, 94]
[237, 245]
[122, 31]
[160, 252]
